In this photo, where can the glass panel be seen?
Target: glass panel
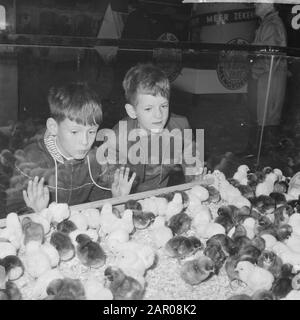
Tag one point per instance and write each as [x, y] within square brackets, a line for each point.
[211, 85]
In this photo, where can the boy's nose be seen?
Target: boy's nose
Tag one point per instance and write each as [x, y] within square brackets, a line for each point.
[157, 113]
[85, 139]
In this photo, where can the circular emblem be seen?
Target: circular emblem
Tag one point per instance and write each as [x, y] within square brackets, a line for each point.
[169, 59]
[233, 67]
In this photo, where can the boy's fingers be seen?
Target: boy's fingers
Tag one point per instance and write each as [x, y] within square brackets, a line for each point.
[35, 185]
[46, 193]
[25, 197]
[132, 178]
[29, 189]
[116, 177]
[40, 188]
[126, 174]
[121, 172]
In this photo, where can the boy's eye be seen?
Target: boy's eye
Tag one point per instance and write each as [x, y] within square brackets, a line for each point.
[147, 109]
[165, 106]
[74, 132]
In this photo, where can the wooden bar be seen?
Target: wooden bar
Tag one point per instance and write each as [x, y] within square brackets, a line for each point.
[119, 201]
[135, 196]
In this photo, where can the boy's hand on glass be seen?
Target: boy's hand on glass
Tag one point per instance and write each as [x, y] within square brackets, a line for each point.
[121, 185]
[37, 195]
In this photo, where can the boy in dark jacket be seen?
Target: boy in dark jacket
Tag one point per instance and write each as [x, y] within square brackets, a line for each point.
[164, 140]
[62, 166]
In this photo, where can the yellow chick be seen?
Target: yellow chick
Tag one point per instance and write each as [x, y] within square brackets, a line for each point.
[58, 212]
[293, 242]
[37, 218]
[14, 230]
[269, 240]
[161, 205]
[175, 206]
[115, 238]
[294, 222]
[292, 295]
[109, 222]
[39, 291]
[93, 217]
[200, 192]
[7, 249]
[241, 174]
[212, 229]
[255, 277]
[36, 260]
[249, 225]
[149, 205]
[52, 253]
[194, 204]
[80, 220]
[160, 233]
[95, 290]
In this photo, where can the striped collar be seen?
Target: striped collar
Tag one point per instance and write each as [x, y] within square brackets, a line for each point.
[50, 143]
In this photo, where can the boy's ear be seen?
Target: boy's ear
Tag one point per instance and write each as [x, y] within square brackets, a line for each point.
[130, 110]
[52, 126]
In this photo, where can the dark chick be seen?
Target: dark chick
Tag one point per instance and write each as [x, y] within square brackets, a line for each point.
[282, 214]
[66, 289]
[181, 247]
[281, 187]
[230, 265]
[216, 254]
[198, 270]
[32, 231]
[249, 253]
[240, 231]
[271, 262]
[259, 243]
[14, 267]
[214, 194]
[11, 292]
[263, 203]
[89, 252]
[224, 241]
[279, 198]
[225, 218]
[63, 245]
[141, 220]
[283, 232]
[66, 226]
[263, 295]
[122, 286]
[180, 223]
[281, 287]
[133, 205]
[246, 191]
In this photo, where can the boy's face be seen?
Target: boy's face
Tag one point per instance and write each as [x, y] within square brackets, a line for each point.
[152, 112]
[73, 140]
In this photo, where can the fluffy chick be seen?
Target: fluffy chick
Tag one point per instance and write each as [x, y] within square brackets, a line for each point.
[14, 267]
[181, 247]
[66, 226]
[122, 286]
[271, 262]
[11, 292]
[263, 295]
[198, 270]
[32, 231]
[255, 277]
[89, 252]
[63, 244]
[141, 220]
[180, 223]
[66, 289]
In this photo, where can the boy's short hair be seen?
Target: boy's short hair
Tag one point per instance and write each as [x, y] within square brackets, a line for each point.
[145, 79]
[77, 102]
